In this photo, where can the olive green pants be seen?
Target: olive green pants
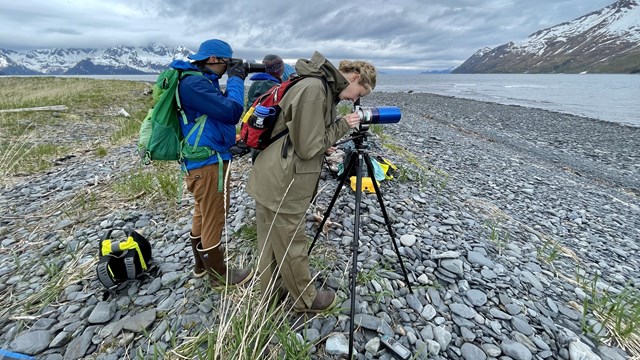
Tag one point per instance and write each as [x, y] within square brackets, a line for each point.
[209, 213]
[283, 247]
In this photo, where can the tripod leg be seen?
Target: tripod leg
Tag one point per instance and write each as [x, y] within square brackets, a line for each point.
[333, 200]
[354, 248]
[367, 160]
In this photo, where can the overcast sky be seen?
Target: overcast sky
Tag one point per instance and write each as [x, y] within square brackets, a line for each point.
[410, 34]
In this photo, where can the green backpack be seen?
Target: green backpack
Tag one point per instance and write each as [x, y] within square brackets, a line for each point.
[160, 137]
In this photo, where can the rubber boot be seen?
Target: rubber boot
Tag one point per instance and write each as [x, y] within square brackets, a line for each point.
[213, 260]
[198, 269]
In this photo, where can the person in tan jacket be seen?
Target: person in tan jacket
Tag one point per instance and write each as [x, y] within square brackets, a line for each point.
[285, 175]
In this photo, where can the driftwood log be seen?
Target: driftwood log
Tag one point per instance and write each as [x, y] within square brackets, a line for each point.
[39, 108]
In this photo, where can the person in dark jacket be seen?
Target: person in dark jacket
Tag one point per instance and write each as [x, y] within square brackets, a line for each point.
[261, 82]
[201, 98]
[285, 175]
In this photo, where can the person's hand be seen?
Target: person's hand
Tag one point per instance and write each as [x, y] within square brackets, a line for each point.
[236, 69]
[240, 149]
[353, 120]
[330, 150]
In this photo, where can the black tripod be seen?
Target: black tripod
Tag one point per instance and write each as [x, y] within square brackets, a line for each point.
[356, 160]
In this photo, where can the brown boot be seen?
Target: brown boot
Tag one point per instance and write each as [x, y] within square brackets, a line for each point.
[198, 269]
[213, 260]
[325, 300]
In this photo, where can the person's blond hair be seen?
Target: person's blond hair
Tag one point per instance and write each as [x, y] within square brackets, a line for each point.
[367, 72]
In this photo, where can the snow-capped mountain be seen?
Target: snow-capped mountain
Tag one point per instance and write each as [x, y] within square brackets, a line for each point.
[604, 41]
[150, 59]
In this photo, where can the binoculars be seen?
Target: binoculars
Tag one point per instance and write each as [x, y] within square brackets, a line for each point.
[248, 66]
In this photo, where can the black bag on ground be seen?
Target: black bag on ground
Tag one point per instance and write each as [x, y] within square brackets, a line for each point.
[122, 261]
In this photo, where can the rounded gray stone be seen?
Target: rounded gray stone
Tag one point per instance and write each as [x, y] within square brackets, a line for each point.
[515, 350]
[472, 352]
[31, 343]
[337, 344]
[522, 325]
[491, 350]
[477, 297]
[462, 310]
[102, 313]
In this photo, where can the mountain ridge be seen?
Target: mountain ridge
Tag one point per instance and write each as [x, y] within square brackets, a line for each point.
[603, 41]
[121, 60]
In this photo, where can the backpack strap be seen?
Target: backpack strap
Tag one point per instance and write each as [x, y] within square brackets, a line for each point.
[220, 175]
[183, 74]
[199, 126]
[200, 121]
[105, 275]
[130, 265]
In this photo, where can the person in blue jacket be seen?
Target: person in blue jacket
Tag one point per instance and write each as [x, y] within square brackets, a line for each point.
[206, 178]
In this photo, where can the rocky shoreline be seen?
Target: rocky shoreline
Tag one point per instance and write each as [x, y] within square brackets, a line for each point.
[502, 214]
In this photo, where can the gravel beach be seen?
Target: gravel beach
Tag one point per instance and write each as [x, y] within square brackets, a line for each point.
[506, 219]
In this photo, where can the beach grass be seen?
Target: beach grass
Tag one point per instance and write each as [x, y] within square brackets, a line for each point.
[160, 180]
[31, 140]
[82, 94]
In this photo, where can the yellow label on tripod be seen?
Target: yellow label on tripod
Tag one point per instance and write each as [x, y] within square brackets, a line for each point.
[367, 185]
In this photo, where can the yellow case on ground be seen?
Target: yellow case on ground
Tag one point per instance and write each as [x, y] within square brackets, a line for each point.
[367, 185]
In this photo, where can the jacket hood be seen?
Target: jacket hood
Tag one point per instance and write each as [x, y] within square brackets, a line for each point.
[183, 65]
[264, 76]
[319, 66]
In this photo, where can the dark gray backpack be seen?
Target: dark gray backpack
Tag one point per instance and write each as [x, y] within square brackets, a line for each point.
[122, 261]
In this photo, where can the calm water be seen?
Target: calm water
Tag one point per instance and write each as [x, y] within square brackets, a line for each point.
[602, 96]
[609, 97]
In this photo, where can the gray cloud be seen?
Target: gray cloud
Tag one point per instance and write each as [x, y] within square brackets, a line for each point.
[63, 31]
[392, 33]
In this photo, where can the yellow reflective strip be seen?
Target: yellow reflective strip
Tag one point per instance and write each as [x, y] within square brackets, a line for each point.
[106, 247]
[129, 244]
[142, 263]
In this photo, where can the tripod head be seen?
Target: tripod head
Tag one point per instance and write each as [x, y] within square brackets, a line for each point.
[359, 138]
[359, 135]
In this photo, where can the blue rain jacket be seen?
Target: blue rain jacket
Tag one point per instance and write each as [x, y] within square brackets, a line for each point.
[201, 95]
[264, 76]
